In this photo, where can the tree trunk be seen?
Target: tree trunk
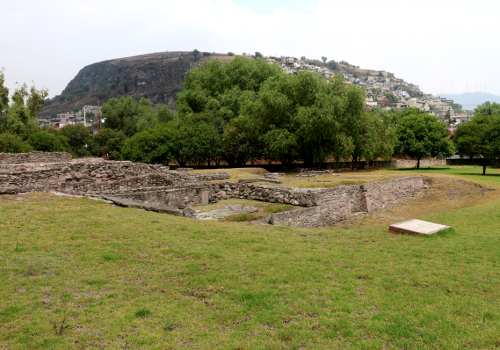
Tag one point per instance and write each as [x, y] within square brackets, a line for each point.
[484, 166]
[418, 163]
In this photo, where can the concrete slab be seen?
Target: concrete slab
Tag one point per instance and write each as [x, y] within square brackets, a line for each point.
[417, 227]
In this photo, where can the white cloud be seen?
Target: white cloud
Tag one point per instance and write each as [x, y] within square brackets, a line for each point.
[423, 42]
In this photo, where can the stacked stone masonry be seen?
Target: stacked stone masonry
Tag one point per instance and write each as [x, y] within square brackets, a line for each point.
[162, 190]
[413, 163]
[32, 157]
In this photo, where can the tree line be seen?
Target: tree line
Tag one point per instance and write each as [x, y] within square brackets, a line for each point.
[240, 112]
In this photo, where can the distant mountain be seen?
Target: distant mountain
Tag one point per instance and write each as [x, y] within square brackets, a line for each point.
[470, 100]
[157, 76]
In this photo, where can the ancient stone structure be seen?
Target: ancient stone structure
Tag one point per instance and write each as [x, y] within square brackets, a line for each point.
[274, 175]
[155, 187]
[413, 163]
[32, 157]
[265, 179]
[325, 206]
[212, 176]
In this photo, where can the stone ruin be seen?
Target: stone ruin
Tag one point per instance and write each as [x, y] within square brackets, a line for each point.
[156, 188]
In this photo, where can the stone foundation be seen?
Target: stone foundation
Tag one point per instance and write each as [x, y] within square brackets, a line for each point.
[155, 187]
[413, 163]
[32, 157]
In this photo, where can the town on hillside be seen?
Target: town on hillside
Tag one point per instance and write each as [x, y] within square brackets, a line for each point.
[88, 116]
[383, 89]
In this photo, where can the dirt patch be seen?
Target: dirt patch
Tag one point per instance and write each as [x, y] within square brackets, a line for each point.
[445, 193]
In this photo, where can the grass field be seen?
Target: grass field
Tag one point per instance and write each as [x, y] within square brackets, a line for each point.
[129, 279]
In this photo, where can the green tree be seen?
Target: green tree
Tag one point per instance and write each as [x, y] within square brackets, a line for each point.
[304, 117]
[49, 142]
[195, 53]
[421, 136]
[258, 55]
[230, 53]
[391, 97]
[20, 117]
[78, 136]
[447, 117]
[4, 96]
[302, 58]
[332, 65]
[128, 116]
[373, 136]
[154, 146]
[107, 143]
[479, 138]
[323, 58]
[11, 143]
[376, 90]
[241, 142]
[487, 108]
[196, 143]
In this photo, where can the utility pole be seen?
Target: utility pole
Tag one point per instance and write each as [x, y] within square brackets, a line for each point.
[98, 117]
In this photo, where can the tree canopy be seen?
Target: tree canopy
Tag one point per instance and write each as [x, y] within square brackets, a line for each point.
[479, 138]
[420, 135]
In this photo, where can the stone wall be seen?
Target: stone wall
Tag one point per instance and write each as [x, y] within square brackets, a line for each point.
[413, 163]
[34, 157]
[385, 194]
[193, 194]
[328, 205]
[212, 176]
[76, 171]
[304, 197]
[157, 188]
[310, 217]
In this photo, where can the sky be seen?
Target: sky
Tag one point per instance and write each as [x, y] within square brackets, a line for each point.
[444, 46]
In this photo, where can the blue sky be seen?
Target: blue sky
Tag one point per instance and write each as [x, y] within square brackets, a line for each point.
[441, 45]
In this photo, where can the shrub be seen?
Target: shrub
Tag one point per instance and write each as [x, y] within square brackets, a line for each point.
[78, 136]
[206, 53]
[10, 143]
[49, 142]
[107, 143]
[230, 53]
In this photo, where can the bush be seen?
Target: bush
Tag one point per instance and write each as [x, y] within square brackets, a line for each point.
[150, 146]
[10, 143]
[78, 136]
[206, 53]
[49, 142]
[230, 53]
[107, 143]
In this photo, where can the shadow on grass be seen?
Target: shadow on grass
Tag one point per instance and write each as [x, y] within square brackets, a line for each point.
[448, 233]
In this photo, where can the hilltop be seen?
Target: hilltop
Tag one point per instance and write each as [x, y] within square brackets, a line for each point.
[156, 76]
[159, 76]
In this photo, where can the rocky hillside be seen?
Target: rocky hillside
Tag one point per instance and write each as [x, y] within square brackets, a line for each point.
[156, 76]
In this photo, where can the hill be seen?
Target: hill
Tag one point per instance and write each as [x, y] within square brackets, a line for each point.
[470, 100]
[157, 76]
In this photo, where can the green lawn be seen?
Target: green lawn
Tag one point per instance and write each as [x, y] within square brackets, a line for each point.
[129, 279]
